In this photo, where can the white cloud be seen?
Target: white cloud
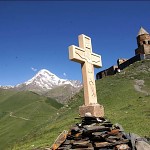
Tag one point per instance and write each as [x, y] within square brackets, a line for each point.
[64, 74]
[33, 69]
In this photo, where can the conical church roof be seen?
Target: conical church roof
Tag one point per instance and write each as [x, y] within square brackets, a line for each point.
[142, 31]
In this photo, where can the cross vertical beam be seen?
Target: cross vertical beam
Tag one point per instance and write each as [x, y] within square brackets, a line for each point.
[88, 60]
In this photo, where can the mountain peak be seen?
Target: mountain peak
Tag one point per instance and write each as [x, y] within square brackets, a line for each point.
[42, 71]
[45, 72]
[45, 80]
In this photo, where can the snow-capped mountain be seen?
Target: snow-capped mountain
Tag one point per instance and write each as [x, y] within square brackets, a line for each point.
[48, 84]
[45, 80]
[6, 87]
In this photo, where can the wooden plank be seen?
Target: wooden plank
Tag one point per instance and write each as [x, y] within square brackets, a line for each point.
[60, 139]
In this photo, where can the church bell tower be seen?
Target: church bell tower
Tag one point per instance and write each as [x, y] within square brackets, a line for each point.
[143, 42]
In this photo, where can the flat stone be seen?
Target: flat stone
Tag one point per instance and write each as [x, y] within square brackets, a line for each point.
[96, 128]
[89, 148]
[65, 147]
[110, 140]
[124, 141]
[101, 144]
[91, 125]
[114, 137]
[97, 133]
[81, 142]
[114, 132]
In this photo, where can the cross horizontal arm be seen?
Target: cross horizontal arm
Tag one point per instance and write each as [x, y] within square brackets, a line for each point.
[96, 60]
[76, 54]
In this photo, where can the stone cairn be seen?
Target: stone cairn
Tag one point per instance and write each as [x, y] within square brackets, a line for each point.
[93, 134]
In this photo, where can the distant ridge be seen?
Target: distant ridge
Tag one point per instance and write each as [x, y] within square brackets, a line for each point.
[44, 80]
[48, 84]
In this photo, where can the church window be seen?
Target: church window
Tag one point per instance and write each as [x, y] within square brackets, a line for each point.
[144, 42]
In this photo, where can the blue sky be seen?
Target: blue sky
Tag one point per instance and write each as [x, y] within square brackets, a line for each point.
[36, 35]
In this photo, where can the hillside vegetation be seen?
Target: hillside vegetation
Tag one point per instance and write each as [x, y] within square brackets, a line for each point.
[20, 112]
[62, 93]
[125, 97]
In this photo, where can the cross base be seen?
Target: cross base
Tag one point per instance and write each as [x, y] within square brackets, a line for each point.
[96, 110]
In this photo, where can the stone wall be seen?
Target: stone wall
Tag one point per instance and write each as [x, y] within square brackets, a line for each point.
[130, 61]
[110, 71]
[143, 49]
[121, 60]
[114, 69]
[146, 56]
[133, 60]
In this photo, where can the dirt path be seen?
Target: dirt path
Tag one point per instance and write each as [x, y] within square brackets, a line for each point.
[138, 86]
[11, 115]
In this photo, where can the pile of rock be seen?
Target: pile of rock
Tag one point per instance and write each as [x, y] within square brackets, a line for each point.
[93, 134]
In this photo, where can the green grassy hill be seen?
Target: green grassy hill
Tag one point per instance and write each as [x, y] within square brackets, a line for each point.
[125, 97]
[20, 112]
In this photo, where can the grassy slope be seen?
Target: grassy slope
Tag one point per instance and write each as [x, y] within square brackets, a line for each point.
[123, 104]
[62, 93]
[27, 109]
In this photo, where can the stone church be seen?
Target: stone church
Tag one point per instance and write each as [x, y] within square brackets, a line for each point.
[142, 52]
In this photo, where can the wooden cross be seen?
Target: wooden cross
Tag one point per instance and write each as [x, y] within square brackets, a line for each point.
[88, 60]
